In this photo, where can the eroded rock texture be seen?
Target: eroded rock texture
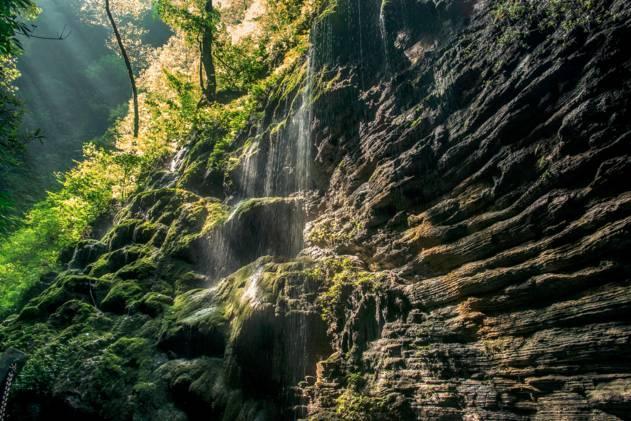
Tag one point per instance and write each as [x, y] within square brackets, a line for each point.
[493, 180]
[461, 252]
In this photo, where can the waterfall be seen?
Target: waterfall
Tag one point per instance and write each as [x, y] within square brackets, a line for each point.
[288, 167]
[361, 43]
[247, 178]
[272, 183]
[280, 164]
[274, 176]
[302, 121]
[178, 159]
[384, 35]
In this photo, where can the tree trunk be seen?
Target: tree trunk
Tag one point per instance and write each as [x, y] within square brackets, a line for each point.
[209, 88]
[132, 79]
[200, 70]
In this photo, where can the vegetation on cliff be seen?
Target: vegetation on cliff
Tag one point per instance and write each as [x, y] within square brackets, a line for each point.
[13, 14]
[169, 112]
[457, 250]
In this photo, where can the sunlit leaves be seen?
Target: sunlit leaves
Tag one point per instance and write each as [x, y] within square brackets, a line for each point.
[12, 23]
[10, 141]
[128, 15]
[187, 16]
[63, 218]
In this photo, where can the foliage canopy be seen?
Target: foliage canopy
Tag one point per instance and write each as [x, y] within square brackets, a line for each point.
[12, 23]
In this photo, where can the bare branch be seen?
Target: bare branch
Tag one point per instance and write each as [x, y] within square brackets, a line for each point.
[65, 33]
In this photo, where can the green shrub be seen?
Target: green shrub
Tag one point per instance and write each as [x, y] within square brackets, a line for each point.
[61, 220]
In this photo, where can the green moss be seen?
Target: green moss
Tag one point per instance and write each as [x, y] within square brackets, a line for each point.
[289, 81]
[149, 233]
[60, 353]
[154, 303]
[195, 220]
[516, 18]
[65, 288]
[131, 350]
[105, 362]
[121, 296]
[193, 173]
[257, 286]
[110, 263]
[343, 277]
[208, 318]
[355, 404]
[122, 234]
[188, 280]
[203, 377]
[24, 336]
[352, 405]
[332, 232]
[142, 268]
[323, 82]
[249, 205]
[72, 312]
[235, 298]
[161, 206]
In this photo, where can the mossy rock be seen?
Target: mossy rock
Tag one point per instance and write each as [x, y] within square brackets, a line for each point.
[203, 180]
[143, 268]
[122, 234]
[161, 206]
[204, 337]
[79, 284]
[65, 288]
[121, 296]
[132, 231]
[147, 232]
[112, 262]
[251, 205]
[86, 252]
[194, 221]
[190, 280]
[154, 303]
[196, 326]
[202, 379]
[72, 312]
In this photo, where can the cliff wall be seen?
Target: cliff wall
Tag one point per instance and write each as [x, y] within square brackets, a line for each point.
[433, 224]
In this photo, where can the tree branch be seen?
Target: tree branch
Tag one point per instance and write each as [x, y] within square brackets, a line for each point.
[65, 33]
[132, 78]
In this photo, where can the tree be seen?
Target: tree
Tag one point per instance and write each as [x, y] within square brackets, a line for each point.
[124, 17]
[198, 19]
[13, 15]
[11, 23]
[130, 71]
[209, 88]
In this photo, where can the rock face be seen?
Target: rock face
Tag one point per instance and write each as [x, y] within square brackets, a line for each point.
[461, 251]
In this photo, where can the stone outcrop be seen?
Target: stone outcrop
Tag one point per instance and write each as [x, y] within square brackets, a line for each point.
[492, 179]
[461, 252]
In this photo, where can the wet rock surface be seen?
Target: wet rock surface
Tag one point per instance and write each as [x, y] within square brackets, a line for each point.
[461, 253]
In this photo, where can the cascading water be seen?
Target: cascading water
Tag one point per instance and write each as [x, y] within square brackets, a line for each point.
[302, 122]
[280, 164]
[384, 35]
[361, 43]
[178, 159]
[272, 182]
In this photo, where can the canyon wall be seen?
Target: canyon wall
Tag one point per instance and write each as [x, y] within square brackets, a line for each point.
[432, 224]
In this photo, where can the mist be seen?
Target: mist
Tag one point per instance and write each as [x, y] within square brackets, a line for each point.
[72, 89]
